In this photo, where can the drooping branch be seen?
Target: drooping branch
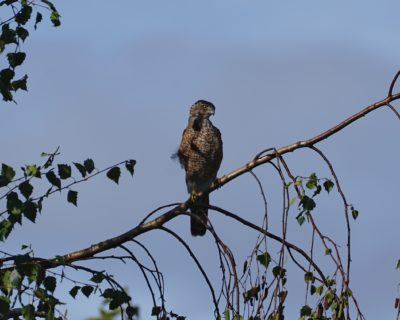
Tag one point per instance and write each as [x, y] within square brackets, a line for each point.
[270, 235]
[304, 143]
[181, 208]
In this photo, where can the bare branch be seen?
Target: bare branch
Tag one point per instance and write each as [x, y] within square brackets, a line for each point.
[274, 237]
[217, 313]
[392, 84]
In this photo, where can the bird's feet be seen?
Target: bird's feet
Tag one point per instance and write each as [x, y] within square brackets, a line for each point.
[217, 183]
[193, 196]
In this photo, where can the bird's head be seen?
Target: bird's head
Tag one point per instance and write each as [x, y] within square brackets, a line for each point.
[202, 109]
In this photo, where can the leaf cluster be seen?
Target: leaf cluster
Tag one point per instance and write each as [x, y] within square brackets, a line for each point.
[23, 275]
[14, 32]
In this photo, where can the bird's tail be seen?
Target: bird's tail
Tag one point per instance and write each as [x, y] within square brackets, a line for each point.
[199, 222]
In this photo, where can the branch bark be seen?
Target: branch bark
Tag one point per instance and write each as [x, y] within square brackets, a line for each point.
[158, 222]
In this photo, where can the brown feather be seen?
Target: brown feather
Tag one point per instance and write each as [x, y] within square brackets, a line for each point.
[200, 154]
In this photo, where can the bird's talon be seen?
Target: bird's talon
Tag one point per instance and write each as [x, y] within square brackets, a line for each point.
[193, 197]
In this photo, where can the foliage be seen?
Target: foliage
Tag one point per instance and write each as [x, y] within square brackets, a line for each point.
[14, 32]
[24, 277]
[30, 285]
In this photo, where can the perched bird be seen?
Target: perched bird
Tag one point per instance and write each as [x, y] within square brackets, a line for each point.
[200, 154]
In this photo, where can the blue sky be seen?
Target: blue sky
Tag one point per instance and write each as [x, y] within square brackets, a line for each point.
[116, 81]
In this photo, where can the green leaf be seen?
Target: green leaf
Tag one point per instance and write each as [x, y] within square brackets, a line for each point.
[30, 210]
[81, 168]
[114, 174]
[130, 166]
[6, 75]
[41, 293]
[329, 297]
[97, 278]
[8, 35]
[22, 32]
[328, 185]
[16, 59]
[354, 213]
[74, 291]
[6, 280]
[319, 290]
[308, 277]
[55, 18]
[118, 298]
[305, 311]
[5, 92]
[293, 201]
[87, 290]
[4, 305]
[72, 197]
[132, 311]
[313, 289]
[398, 264]
[50, 283]
[33, 170]
[6, 227]
[14, 204]
[278, 272]
[328, 252]
[28, 312]
[7, 173]
[26, 189]
[38, 19]
[89, 165]
[30, 270]
[227, 314]
[312, 181]
[108, 293]
[307, 203]
[15, 279]
[23, 16]
[300, 218]
[155, 311]
[20, 84]
[51, 176]
[64, 171]
[264, 259]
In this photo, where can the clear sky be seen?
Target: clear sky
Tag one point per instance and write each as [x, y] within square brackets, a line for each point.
[116, 81]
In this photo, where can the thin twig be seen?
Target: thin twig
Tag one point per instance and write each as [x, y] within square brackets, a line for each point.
[193, 256]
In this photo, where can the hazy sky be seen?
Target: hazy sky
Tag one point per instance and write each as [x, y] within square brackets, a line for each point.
[116, 81]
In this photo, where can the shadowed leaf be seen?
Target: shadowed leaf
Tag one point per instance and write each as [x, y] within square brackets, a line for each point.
[53, 179]
[130, 166]
[64, 171]
[72, 197]
[114, 174]
[50, 283]
[74, 291]
[81, 168]
[26, 189]
[264, 259]
[328, 185]
[89, 165]
[87, 291]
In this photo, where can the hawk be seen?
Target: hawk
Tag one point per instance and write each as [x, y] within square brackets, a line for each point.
[200, 154]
